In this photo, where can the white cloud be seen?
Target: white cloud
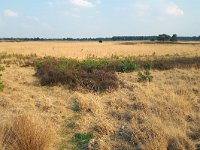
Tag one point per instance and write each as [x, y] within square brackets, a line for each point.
[174, 10]
[10, 13]
[82, 3]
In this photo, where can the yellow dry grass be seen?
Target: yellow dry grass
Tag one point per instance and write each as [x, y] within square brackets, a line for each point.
[25, 133]
[158, 115]
[164, 113]
[83, 49]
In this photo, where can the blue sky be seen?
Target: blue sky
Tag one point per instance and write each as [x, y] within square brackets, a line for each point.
[98, 18]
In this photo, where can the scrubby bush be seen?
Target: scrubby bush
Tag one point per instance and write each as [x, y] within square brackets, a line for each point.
[89, 65]
[99, 74]
[145, 76]
[125, 65]
[91, 75]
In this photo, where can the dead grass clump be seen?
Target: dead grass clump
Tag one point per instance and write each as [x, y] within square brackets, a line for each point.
[24, 133]
[179, 143]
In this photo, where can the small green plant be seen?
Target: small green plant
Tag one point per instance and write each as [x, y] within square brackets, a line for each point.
[81, 140]
[2, 68]
[145, 76]
[1, 86]
[37, 65]
[76, 106]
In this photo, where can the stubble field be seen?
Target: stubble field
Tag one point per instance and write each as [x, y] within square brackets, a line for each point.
[161, 114]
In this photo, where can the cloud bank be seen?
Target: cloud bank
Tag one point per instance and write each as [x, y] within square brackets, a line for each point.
[82, 3]
[10, 13]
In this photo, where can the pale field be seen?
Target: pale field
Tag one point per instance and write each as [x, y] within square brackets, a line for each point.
[154, 116]
[81, 50]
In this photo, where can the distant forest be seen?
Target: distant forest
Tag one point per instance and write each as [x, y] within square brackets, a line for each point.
[161, 37]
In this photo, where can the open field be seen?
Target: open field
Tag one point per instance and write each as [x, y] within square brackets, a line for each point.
[83, 49]
[157, 114]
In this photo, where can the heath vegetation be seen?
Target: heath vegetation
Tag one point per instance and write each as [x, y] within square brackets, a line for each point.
[148, 101]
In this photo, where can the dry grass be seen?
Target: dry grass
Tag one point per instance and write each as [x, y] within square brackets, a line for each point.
[162, 114]
[106, 49]
[25, 133]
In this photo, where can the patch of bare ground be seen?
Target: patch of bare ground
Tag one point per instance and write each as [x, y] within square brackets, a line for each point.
[163, 114]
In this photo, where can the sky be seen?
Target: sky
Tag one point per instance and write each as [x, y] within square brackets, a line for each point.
[98, 18]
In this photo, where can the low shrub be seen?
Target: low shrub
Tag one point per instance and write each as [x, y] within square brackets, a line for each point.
[89, 65]
[88, 74]
[145, 76]
[99, 74]
[125, 65]
[81, 141]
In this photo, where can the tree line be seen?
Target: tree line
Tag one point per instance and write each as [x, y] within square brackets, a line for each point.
[161, 37]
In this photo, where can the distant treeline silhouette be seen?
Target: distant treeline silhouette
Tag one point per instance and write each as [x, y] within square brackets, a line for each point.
[161, 37]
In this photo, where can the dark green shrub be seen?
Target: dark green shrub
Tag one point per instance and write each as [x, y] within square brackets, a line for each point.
[125, 65]
[81, 141]
[145, 76]
[89, 65]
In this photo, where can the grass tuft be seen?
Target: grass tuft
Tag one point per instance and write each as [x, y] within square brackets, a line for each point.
[24, 133]
[1, 86]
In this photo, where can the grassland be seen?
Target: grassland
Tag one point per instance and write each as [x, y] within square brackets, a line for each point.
[161, 114]
[81, 50]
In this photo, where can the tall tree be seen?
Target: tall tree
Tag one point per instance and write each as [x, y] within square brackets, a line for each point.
[173, 38]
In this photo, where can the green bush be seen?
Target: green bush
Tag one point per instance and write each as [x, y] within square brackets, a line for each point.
[126, 65]
[94, 64]
[81, 141]
[63, 65]
[145, 76]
